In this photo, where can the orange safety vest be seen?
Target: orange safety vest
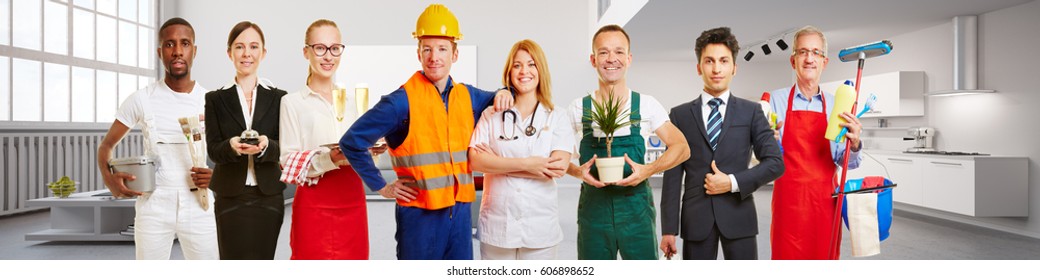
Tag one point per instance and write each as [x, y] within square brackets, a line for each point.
[434, 153]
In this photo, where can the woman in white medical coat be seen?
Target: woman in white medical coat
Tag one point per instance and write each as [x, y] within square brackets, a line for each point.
[521, 152]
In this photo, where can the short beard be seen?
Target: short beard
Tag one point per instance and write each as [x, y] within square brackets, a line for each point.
[170, 74]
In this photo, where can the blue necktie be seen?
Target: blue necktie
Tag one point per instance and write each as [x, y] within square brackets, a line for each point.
[714, 122]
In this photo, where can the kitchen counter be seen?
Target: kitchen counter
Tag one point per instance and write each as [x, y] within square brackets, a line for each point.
[973, 185]
[902, 153]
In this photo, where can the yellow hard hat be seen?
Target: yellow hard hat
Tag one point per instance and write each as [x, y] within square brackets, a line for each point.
[437, 20]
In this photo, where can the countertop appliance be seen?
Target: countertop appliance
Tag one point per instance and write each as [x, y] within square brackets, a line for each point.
[922, 137]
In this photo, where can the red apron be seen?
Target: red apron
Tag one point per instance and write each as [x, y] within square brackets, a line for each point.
[803, 209]
[330, 219]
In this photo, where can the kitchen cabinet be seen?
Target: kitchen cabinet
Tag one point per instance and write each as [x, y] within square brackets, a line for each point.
[952, 183]
[899, 94]
[980, 186]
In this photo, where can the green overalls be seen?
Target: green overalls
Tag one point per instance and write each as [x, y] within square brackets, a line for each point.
[615, 218]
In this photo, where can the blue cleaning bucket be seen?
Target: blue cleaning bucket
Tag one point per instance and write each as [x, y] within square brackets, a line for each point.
[884, 207]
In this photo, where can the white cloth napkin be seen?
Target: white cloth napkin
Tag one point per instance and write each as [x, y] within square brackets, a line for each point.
[863, 224]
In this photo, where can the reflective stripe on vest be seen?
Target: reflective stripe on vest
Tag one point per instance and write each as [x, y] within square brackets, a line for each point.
[434, 153]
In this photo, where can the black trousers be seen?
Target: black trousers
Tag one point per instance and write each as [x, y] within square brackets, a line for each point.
[745, 248]
[248, 224]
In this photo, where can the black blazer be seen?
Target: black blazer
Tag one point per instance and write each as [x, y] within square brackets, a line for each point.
[744, 128]
[223, 121]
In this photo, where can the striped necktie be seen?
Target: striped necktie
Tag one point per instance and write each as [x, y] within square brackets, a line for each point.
[714, 122]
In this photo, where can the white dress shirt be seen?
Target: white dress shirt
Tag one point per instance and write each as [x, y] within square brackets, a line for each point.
[247, 115]
[309, 121]
[706, 112]
[520, 212]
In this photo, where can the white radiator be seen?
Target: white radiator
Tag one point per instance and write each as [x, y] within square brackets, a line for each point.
[34, 157]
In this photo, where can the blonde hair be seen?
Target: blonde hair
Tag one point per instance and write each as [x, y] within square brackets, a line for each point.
[809, 30]
[543, 91]
[307, 39]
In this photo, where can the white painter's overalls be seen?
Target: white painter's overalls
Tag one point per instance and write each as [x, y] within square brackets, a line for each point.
[172, 211]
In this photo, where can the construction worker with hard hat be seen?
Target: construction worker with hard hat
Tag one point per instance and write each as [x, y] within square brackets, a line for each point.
[427, 124]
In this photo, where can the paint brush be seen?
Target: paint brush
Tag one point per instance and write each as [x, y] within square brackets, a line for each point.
[192, 129]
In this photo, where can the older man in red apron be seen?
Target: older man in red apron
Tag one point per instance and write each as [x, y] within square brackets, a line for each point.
[803, 209]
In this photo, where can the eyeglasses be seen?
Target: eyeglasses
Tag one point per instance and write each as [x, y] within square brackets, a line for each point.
[815, 52]
[321, 49]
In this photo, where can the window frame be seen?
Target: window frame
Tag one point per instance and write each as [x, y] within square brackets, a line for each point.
[70, 60]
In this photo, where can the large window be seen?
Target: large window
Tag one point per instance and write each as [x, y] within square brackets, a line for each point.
[74, 60]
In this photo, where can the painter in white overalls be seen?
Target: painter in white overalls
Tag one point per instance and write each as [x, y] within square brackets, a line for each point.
[171, 211]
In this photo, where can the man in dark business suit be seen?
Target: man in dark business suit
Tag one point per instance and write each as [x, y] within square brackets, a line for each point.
[722, 129]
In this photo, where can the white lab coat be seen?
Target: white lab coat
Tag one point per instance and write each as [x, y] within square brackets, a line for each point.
[520, 212]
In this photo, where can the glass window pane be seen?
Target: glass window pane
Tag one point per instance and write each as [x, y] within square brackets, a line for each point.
[146, 52]
[83, 34]
[106, 39]
[27, 19]
[146, 11]
[5, 22]
[55, 92]
[87, 4]
[82, 94]
[107, 101]
[27, 84]
[143, 81]
[127, 43]
[5, 88]
[107, 6]
[127, 86]
[55, 29]
[128, 10]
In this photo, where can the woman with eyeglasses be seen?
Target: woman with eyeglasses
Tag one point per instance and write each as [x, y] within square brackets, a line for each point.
[521, 152]
[242, 139]
[329, 219]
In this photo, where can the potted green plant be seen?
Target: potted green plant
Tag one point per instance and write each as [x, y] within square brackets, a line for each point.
[610, 115]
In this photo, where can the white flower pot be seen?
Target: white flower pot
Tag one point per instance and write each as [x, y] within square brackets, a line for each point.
[610, 169]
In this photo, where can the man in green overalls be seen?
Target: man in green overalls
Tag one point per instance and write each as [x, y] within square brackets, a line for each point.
[619, 216]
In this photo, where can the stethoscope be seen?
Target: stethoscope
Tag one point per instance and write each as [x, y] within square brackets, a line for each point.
[529, 131]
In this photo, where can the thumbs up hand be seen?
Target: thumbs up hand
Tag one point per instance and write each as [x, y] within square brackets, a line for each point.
[716, 182]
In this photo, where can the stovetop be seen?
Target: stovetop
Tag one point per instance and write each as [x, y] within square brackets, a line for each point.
[946, 153]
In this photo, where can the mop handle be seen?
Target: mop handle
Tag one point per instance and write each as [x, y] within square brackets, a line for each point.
[836, 224]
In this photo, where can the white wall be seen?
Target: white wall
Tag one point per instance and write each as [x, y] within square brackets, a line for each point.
[676, 82]
[560, 27]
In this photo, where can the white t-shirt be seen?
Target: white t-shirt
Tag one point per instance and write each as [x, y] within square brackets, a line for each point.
[652, 115]
[520, 212]
[155, 109]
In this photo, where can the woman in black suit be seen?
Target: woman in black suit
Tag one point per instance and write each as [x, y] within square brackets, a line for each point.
[249, 202]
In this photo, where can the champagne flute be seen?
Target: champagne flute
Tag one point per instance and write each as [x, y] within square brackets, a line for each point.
[361, 98]
[339, 101]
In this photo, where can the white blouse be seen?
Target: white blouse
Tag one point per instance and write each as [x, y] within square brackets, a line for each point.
[309, 121]
[521, 212]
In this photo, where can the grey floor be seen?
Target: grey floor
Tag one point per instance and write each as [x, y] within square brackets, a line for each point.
[912, 237]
